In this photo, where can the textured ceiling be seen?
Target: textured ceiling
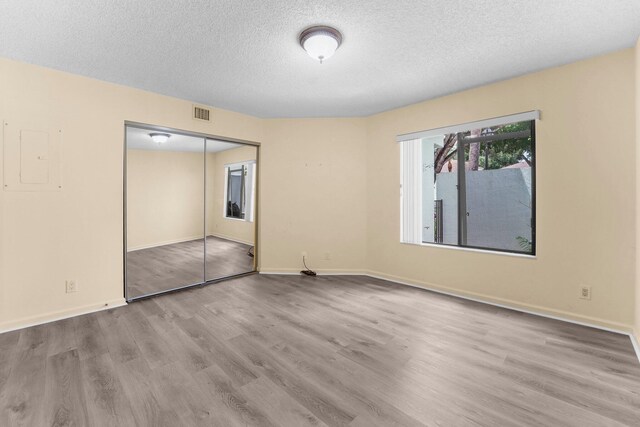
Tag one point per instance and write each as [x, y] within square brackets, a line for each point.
[244, 55]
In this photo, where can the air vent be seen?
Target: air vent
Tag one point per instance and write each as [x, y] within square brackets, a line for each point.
[201, 113]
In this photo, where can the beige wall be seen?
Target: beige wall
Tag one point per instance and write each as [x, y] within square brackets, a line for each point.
[313, 191]
[76, 233]
[585, 194]
[331, 187]
[164, 197]
[637, 151]
[313, 194]
[217, 224]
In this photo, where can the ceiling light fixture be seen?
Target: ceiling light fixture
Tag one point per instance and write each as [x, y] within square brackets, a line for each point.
[160, 138]
[320, 42]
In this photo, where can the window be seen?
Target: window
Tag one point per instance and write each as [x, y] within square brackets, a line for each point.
[239, 191]
[471, 185]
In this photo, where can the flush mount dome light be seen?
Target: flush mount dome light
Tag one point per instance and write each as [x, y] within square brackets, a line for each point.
[320, 42]
[159, 138]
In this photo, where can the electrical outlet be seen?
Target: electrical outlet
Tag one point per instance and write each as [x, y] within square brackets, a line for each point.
[585, 292]
[71, 286]
[304, 254]
[327, 256]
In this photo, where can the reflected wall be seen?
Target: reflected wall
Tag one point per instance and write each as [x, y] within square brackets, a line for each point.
[231, 195]
[190, 210]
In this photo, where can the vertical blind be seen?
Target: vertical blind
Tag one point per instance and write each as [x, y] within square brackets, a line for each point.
[411, 191]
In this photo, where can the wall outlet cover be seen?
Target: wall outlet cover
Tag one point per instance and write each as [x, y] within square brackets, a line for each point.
[71, 286]
[585, 292]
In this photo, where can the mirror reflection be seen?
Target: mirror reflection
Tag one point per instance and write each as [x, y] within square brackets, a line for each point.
[165, 211]
[190, 213]
[231, 189]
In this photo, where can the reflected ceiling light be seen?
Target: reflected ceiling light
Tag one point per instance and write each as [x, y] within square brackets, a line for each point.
[320, 42]
[160, 138]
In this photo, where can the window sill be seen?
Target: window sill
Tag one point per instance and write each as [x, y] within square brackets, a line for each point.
[237, 219]
[481, 251]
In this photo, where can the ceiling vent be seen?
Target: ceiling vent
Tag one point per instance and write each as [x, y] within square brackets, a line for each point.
[201, 113]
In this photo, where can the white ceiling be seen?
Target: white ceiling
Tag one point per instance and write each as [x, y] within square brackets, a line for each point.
[244, 55]
[139, 139]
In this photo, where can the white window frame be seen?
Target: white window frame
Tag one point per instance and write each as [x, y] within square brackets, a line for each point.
[249, 189]
[411, 221]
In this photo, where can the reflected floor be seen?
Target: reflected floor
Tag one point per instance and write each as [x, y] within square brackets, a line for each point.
[170, 266]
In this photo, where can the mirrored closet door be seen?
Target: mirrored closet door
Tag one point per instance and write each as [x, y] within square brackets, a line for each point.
[190, 204]
[231, 194]
[165, 211]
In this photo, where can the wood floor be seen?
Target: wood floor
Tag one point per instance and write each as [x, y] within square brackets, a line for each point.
[172, 266]
[294, 351]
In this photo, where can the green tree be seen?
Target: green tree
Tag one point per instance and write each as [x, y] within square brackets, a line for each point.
[492, 155]
[496, 155]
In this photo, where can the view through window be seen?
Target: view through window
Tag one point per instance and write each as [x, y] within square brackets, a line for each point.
[472, 188]
[239, 191]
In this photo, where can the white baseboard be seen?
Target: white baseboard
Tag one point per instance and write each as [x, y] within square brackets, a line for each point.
[222, 236]
[186, 239]
[164, 243]
[26, 322]
[596, 323]
[320, 272]
[564, 316]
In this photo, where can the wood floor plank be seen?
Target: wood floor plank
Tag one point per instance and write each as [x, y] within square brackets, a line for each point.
[22, 396]
[120, 342]
[321, 404]
[218, 324]
[383, 393]
[624, 414]
[62, 336]
[230, 362]
[106, 400]
[325, 350]
[8, 353]
[377, 411]
[34, 342]
[135, 377]
[192, 356]
[64, 400]
[229, 401]
[90, 340]
[278, 405]
[149, 307]
[480, 385]
[571, 381]
[156, 351]
[179, 393]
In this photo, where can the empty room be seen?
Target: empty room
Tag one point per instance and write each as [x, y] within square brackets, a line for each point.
[325, 213]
